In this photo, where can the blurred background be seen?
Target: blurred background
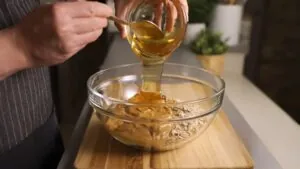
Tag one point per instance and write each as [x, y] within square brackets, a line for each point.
[262, 36]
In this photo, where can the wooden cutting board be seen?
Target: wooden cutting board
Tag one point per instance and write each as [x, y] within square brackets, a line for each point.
[218, 147]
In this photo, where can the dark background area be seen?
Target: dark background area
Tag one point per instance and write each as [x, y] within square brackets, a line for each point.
[273, 61]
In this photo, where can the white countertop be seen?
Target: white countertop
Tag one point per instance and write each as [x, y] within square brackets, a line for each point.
[275, 128]
[278, 132]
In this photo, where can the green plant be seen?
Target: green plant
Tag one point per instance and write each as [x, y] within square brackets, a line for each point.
[209, 43]
[200, 11]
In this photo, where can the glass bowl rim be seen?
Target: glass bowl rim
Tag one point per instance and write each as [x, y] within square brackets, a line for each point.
[126, 103]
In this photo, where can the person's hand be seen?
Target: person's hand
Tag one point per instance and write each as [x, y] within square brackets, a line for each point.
[123, 6]
[53, 33]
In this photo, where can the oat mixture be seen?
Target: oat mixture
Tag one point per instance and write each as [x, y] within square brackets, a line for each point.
[155, 136]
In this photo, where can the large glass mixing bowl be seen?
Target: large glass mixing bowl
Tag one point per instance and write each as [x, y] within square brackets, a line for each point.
[194, 97]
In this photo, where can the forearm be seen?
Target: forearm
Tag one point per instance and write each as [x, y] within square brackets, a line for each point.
[12, 54]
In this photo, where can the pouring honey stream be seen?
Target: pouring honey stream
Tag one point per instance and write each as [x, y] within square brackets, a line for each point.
[153, 44]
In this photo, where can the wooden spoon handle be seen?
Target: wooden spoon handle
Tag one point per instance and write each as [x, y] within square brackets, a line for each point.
[118, 20]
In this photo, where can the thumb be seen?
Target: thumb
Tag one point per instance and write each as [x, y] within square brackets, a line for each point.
[121, 9]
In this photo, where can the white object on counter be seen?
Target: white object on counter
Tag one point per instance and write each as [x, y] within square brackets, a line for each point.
[193, 29]
[227, 20]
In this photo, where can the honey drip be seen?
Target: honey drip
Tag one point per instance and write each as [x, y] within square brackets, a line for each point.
[153, 44]
[152, 50]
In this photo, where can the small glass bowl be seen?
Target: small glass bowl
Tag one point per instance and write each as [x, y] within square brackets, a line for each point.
[169, 16]
[195, 97]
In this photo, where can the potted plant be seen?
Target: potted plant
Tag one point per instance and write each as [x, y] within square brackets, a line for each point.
[210, 49]
[227, 18]
[200, 12]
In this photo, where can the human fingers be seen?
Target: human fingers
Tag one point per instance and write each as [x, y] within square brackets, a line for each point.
[76, 49]
[86, 38]
[121, 29]
[171, 15]
[86, 25]
[158, 14]
[83, 9]
[185, 7]
[121, 9]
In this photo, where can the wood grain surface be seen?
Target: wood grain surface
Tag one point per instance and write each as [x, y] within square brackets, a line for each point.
[218, 147]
